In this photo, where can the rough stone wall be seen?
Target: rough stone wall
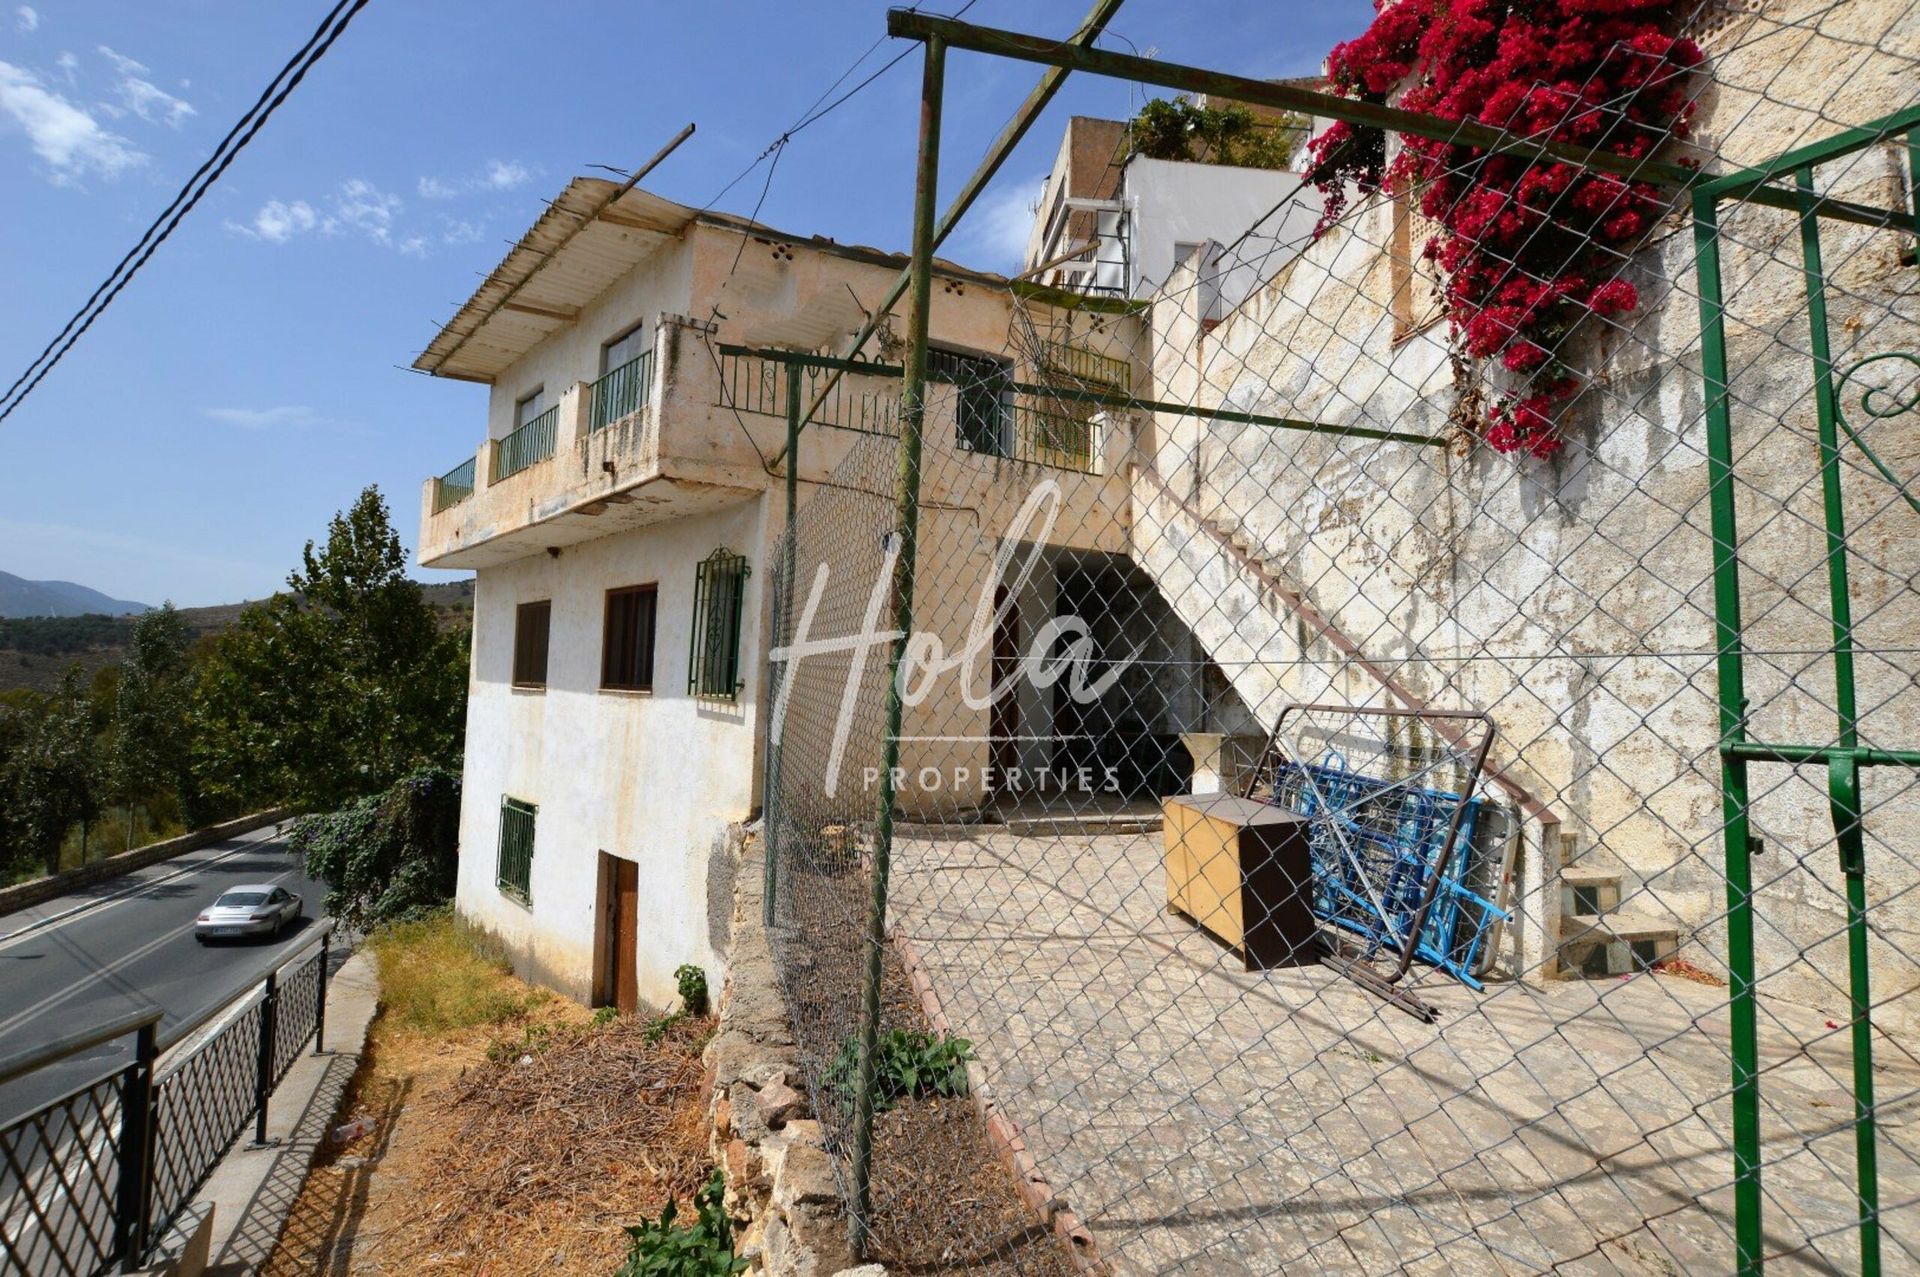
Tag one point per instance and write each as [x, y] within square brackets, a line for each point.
[1573, 598]
[781, 1189]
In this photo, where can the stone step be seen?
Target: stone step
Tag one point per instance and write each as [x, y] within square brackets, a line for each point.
[1586, 890]
[1615, 943]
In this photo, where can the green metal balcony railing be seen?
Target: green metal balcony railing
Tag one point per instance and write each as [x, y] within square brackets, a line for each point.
[623, 391]
[1045, 435]
[751, 381]
[453, 487]
[531, 443]
[1086, 367]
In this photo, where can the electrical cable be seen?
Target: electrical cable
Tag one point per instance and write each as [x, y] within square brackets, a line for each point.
[190, 194]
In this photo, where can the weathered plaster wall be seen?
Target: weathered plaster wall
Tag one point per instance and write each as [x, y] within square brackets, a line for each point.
[651, 777]
[1573, 598]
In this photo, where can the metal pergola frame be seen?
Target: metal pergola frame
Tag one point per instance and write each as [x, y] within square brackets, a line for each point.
[1706, 193]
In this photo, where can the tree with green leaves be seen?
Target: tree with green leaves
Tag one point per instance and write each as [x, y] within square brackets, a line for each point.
[147, 758]
[336, 689]
[1177, 129]
[50, 774]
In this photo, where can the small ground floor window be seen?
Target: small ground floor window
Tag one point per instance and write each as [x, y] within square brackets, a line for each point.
[514, 873]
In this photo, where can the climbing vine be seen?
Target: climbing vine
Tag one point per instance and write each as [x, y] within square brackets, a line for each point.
[1529, 249]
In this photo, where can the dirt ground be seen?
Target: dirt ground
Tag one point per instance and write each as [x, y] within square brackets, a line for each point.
[942, 1201]
[510, 1148]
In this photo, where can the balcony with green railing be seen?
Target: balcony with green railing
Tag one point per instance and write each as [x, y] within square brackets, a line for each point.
[530, 444]
[622, 392]
[1050, 433]
[1063, 360]
[453, 487]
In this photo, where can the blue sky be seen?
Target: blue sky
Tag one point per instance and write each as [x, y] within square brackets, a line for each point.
[251, 380]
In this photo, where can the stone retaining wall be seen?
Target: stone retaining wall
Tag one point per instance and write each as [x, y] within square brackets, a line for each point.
[781, 1189]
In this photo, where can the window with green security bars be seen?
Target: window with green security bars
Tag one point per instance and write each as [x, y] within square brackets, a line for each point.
[514, 873]
[719, 601]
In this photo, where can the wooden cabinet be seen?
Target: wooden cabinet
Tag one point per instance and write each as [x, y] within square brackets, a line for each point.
[1241, 870]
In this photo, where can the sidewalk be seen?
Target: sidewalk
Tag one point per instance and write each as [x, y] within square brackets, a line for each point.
[252, 1190]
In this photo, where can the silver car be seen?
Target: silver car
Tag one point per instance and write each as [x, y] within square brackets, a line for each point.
[263, 910]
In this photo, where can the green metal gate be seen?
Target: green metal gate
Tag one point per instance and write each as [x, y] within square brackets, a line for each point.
[1845, 755]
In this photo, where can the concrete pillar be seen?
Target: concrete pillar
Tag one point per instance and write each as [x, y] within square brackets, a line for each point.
[576, 407]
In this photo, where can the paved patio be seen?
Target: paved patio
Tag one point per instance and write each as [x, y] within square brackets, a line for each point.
[1204, 1119]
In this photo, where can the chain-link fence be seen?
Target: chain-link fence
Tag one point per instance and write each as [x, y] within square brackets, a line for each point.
[1401, 757]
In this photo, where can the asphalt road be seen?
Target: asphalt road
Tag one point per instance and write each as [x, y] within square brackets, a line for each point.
[86, 958]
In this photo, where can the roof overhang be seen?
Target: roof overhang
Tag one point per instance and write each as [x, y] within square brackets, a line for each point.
[585, 242]
[589, 237]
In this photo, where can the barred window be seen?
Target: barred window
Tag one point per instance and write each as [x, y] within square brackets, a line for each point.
[514, 871]
[626, 653]
[530, 625]
[719, 597]
[984, 411]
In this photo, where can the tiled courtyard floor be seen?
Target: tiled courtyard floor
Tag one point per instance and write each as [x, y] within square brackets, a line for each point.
[1204, 1119]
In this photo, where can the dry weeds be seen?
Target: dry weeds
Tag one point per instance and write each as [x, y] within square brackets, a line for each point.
[513, 1148]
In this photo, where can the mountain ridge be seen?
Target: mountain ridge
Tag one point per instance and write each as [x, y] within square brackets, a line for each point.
[20, 597]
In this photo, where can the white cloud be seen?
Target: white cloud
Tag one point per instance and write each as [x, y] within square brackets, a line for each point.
[357, 208]
[121, 63]
[495, 175]
[504, 176]
[362, 206]
[281, 415]
[278, 221]
[994, 234]
[143, 97]
[66, 136]
[26, 19]
[461, 231]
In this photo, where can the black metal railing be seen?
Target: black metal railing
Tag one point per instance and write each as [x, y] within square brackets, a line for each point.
[89, 1181]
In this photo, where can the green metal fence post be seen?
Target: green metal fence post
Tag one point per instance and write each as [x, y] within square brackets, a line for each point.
[1731, 678]
[907, 528]
[770, 806]
[1843, 773]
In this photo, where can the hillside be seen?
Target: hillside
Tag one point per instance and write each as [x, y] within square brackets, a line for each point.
[35, 652]
[21, 597]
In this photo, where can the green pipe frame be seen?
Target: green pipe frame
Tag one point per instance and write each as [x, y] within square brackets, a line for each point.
[1846, 756]
[907, 528]
[795, 360]
[1842, 759]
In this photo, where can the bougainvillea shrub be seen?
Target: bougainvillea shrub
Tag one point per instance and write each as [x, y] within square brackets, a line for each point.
[1529, 248]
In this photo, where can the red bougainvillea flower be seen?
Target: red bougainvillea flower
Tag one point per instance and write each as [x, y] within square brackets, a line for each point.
[1529, 248]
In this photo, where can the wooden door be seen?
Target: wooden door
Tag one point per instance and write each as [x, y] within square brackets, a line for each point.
[623, 936]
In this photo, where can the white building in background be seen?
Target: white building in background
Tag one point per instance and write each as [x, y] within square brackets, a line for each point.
[1115, 224]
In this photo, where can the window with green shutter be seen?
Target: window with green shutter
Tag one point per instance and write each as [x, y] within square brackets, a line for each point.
[514, 873]
[719, 599]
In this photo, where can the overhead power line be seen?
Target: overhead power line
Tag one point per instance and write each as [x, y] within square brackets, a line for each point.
[190, 193]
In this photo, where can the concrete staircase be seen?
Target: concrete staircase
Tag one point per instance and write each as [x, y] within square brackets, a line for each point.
[1272, 644]
[1598, 938]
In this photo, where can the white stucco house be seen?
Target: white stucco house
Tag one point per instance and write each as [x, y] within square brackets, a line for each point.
[619, 515]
